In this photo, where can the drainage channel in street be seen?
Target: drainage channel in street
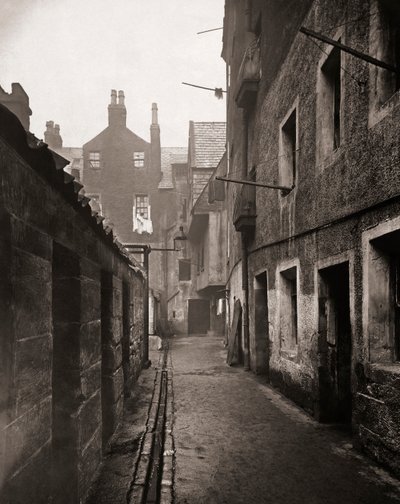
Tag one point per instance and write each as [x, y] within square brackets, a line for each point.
[153, 476]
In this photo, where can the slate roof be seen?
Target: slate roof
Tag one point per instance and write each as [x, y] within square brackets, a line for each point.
[170, 156]
[208, 143]
[73, 154]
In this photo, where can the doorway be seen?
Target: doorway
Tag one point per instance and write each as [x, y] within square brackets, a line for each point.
[198, 316]
[335, 344]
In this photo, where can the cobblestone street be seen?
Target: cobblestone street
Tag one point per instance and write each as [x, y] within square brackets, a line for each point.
[239, 441]
[234, 440]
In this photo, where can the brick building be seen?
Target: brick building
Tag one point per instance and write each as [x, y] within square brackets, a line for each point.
[315, 261]
[131, 182]
[71, 337]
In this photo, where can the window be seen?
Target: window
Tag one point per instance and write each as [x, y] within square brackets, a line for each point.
[142, 206]
[331, 71]
[288, 152]
[329, 96]
[94, 159]
[142, 215]
[138, 159]
[389, 19]
[288, 308]
[180, 170]
[384, 297]
[184, 270]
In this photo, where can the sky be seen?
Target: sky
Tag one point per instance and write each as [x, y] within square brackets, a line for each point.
[69, 54]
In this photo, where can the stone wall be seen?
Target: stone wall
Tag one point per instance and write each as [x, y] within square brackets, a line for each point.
[328, 220]
[62, 379]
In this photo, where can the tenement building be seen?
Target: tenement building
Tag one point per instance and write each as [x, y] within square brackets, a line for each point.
[71, 325]
[130, 182]
[314, 249]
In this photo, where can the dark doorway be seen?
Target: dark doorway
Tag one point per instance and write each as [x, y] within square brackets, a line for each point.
[261, 324]
[198, 316]
[335, 344]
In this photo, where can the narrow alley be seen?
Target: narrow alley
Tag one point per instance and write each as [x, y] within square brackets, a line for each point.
[200, 252]
[229, 438]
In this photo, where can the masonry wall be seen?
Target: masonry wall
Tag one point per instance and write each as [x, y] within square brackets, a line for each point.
[325, 219]
[53, 256]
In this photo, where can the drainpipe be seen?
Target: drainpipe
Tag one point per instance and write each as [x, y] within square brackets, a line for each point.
[146, 363]
[245, 265]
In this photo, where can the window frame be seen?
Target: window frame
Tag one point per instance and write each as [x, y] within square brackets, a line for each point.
[96, 160]
[288, 305]
[138, 162]
[147, 207]
[289, 157]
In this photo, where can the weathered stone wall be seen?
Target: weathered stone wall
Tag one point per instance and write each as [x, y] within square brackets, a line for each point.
[53, 255]
[324, 220]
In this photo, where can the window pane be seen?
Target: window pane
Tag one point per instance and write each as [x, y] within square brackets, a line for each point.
[94, 159]
[138, 159]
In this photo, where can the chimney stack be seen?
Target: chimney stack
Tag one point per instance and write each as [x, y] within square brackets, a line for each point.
[117, 111]
[155, 142]
[18, 103]
[52, 135]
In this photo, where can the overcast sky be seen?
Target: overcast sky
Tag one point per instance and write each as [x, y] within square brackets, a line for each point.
[69, 54]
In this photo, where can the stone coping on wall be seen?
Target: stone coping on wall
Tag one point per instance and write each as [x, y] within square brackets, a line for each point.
[50, 166]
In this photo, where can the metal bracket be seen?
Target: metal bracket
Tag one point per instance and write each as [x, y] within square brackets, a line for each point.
[257, 184]
[350, 50]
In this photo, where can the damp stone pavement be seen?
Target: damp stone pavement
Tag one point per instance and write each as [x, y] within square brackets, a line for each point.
[232, 439]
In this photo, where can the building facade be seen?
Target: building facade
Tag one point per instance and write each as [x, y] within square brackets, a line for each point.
[199, 268]
[130, 182]
[313, 257]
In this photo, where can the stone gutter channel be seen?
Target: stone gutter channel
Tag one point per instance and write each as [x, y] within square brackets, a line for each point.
[153, 481]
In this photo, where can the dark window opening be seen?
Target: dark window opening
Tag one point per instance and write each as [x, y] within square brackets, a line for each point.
[288, 155]
[331, 70]
[289, 312]
[385, 287]
[395, 289]
[184, 270]
[390, 28]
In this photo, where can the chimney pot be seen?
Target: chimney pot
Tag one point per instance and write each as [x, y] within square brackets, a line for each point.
[121, 98]
[113, 97]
